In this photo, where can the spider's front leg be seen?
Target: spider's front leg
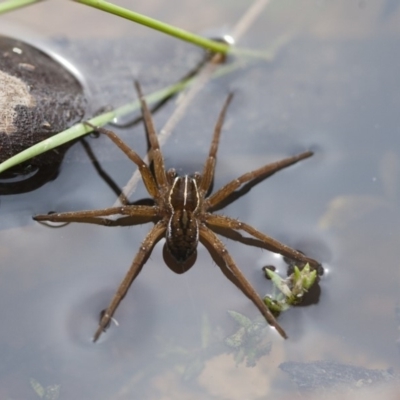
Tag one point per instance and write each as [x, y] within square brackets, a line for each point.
[147, 176]
[264, 172]
[209, 167]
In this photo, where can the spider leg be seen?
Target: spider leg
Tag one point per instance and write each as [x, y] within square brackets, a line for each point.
[147, 176]
[158, 160]
[209, 166]
[273, 244]
[233, 273]
[103, 174]
[141, 257]
[143, 214]
[265, 171]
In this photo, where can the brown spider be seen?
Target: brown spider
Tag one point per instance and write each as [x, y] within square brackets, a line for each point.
[182, 214]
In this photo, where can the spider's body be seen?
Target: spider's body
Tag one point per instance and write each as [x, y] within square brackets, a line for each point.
[182, 213]
[182, 234]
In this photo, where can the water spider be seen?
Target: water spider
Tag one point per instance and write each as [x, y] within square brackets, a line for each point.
[182, 214]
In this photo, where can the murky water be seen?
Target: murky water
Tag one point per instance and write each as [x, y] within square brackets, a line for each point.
[333, 88]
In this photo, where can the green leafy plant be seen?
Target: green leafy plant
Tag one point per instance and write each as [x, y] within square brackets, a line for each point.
[291, 290]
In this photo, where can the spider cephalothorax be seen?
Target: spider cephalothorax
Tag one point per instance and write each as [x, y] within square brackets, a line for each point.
[182, 213]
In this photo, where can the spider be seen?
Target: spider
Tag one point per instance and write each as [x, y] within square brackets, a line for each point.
[182, 213]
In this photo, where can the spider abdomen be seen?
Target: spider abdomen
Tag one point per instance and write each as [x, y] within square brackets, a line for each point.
[182, 235]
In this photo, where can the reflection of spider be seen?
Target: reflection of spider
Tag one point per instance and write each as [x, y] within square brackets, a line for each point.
[182, 214]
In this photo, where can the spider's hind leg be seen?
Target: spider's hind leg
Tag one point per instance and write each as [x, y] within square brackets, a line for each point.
[233, 273]
[141, 257]
[215, 220]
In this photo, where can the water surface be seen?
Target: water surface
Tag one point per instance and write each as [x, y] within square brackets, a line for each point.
[332, 88]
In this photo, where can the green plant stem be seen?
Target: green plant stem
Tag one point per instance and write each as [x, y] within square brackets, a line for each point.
[157, 25]
[11, 5]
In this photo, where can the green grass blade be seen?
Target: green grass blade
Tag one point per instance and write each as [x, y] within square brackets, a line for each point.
[157, 25]
[11, 5]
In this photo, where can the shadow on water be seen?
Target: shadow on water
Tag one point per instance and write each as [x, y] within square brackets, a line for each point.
[332, 92]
